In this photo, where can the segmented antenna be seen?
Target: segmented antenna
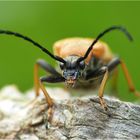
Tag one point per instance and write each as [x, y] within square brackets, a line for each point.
[101, 35]
[34, 43]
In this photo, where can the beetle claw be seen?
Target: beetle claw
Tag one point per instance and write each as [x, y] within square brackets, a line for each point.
[103, 103]
[49, 114]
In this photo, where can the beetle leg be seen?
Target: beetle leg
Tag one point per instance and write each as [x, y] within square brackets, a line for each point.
[129, 80]
[113, 64]
[41, 63]
[36, 79]
[131, 86]
[49, 100]
[101, 89]
[48, 68]
[109, 67]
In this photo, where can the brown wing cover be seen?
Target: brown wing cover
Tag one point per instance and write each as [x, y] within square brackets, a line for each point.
[78, 46]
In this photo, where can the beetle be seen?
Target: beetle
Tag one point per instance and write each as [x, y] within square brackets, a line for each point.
[84, 63]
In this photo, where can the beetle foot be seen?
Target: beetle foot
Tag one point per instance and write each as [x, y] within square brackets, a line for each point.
[50, 114]
[103, 103]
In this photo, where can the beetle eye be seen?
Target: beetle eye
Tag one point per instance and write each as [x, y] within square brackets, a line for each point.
[61, 66]
[82, 64]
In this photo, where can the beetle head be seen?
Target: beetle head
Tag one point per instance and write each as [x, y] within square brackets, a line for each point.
[71, 70]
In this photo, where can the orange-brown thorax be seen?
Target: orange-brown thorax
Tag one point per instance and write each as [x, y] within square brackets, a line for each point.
[78, 46]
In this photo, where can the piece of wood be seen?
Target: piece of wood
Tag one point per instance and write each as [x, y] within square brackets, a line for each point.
[73, 119]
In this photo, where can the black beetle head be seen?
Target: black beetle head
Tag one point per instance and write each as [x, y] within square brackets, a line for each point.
[71, 70]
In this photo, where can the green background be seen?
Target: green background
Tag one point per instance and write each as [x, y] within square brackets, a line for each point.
[47, 22]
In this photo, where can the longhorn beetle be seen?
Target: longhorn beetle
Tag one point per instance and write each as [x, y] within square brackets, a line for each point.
[84, 62]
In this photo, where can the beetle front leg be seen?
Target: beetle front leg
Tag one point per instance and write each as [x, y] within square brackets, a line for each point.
[103, 71]
[102, 87]
[47, 67]
[47, 97]
[110, 67]
[49, 79]
[49, 100]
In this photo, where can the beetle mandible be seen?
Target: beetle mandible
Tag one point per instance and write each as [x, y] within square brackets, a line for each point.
[84, 62]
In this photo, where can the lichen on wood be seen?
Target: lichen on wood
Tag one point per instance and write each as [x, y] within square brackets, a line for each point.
[73, 118]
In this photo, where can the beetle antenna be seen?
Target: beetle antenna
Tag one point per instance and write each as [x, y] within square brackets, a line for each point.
[34, 43]
[101, 35]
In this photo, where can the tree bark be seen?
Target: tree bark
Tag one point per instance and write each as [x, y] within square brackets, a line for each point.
[73, 119]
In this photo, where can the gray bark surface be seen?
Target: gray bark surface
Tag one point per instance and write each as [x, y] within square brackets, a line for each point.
[73, 119]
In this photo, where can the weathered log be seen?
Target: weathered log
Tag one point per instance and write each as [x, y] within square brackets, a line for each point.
[73, 119]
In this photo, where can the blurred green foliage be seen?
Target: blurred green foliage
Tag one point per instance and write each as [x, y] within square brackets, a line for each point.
[47, 22]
